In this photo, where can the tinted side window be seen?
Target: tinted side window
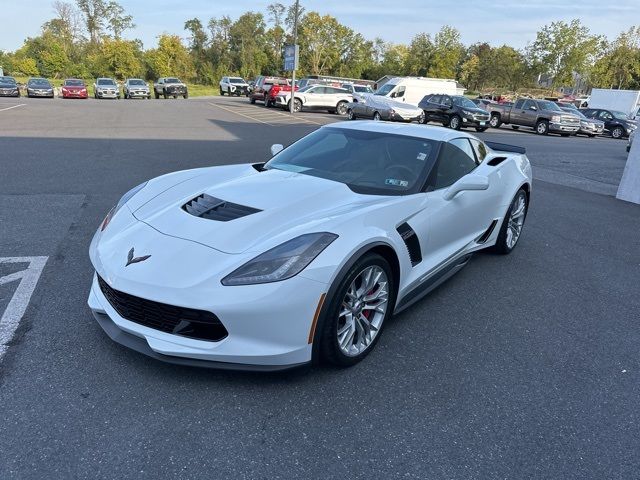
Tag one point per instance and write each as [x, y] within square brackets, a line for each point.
[400, 92]
[446, 101]
[453, 164]
[434, 99]
[528, 104]
[604, 115]
[480, 149]
[519, 104]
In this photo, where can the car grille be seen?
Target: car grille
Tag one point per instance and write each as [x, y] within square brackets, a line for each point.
[570, 120]
[186, 322]
[211, 208]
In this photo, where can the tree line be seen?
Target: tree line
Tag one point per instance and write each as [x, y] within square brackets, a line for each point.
[85, 40]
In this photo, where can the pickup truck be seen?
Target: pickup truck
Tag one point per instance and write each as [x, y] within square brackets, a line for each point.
[263, 85]
[543, 116]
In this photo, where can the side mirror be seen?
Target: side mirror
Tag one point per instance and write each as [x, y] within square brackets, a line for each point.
[276, 148]
[533, 107]
[468, 182]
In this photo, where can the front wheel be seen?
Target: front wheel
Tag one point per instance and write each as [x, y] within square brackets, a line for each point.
[351, 115]
[423, 118]
[341, 108]
[221, 92]
[455, 122]
[542, 127]
[164, 94]
[617, 132]
[495, 121]
[377, 117]
[512, 224]
[186, 95]
[157, 95]
[364, 300]
[297, 105]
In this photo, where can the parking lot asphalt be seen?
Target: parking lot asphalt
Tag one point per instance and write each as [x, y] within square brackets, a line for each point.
[523, 366]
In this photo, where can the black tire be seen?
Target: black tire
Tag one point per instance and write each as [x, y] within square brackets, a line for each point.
[515, 127]
[501, 245]
[341, 108]
[495, 121]
[157, 95]
[455, 122]
[377, 117]
[221, 92]
[327, 334]
[351, 114]
[267, 102]
[617, 132]
[164, 94]
[565, 134]
[542, 127]
[591, 135]
[175, 96]
[252, 100]
[297, 105]
[186, 95]
[424, 118]
[480, 129]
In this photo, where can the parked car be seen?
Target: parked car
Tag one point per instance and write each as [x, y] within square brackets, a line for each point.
[136, 87]
[588, 126]
[273, 91]
[106, 88]
[454, 111]
[234, 86]
[74, 88]
[378, 107]
[39, 87]
[9, 87]
[316, 97]
[356, 89]
[170, 87]
[414, 89]
[269, 266]
[616, 123]
[543, 116]
[633, 134]
[262, 86]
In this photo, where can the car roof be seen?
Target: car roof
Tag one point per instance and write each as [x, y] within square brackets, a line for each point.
[428, 132]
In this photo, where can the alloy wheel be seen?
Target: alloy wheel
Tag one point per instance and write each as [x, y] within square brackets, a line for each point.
[516, 220]
[363, 310]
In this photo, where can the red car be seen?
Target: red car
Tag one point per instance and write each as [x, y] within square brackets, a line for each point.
[74, 88]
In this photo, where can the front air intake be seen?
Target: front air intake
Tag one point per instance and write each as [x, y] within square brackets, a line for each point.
[211, 208]
[412, 243]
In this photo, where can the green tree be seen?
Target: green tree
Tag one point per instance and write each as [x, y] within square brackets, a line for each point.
[420, 55]
[118, 58]
[248, 45]
[448, 52]
[94, 14]
[619, 66]
[562, 49]
[171, 57]
[118, 20]
[25, 66]
[198, 48]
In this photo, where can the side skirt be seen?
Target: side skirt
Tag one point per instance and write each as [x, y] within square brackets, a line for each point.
[419, 291]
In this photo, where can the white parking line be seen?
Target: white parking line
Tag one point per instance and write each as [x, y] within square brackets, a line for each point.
[18, 304]
[257, 114]
[15, 106]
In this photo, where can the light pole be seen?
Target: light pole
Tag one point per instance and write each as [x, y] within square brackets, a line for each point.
[295, 46]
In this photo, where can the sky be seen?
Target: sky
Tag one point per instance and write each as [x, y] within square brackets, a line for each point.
[511, 22]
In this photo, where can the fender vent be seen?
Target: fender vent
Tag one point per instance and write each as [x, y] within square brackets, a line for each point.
[495, 161]
[211, 208]
[412, 243]
[485, 236]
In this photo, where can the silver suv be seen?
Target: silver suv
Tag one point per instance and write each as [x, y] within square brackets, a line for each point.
[106, 88]
[136, 87]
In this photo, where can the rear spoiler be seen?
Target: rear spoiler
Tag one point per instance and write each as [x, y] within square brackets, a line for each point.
[503, 147]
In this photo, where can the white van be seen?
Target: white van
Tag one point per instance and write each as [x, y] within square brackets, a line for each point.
[413, 89]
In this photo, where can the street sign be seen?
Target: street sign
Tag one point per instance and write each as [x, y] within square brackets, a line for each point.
[291, 57]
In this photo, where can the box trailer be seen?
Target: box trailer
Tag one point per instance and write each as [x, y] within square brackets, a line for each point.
[627, 101]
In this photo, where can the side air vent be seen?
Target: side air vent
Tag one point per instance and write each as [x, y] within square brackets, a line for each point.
[495, 161]
[412, 243]
[485, 236]
[211, 208]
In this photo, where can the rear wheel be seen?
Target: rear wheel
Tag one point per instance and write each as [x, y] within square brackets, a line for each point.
[221, 92]
[495, 120]
[377, 117]
[423, 118]
[364, 300]
[455, 122]
[341, 108]
[186, 95]
[351, 115]
[252, 101]
[297, 105]
[513, 223]
[164, 94]
[157, 95]
[542, 127]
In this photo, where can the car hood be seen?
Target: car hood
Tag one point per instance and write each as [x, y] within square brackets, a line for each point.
[139, 87]
[288, 204]
[174, 85]
[74, 87]
[8, 85]
[106, 87]
[40, 87]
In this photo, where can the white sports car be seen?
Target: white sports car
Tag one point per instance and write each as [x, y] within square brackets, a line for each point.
[305, 257]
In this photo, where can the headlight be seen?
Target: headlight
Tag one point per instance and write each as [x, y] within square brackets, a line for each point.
[555, 118]
[467, 113]
[585, 124]
[632, 126]
[281, 262]
[125, 198]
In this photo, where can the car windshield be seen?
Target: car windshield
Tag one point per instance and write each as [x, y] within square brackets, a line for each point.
[548, 105]
[385, 89]
[136, 82]
[573, 111]
[619, 115]
[106, 81]
[464, 102]
[236, 80]
[74, 83]
[40, 82]
[362, 89]
[368, 162]
[7, 80]
[172, 80]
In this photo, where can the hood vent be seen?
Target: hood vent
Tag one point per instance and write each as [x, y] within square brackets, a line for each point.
[412, 243]
[211, 208]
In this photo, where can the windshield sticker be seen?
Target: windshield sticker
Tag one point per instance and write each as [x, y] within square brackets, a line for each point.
[396, 182]
[422, 156]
